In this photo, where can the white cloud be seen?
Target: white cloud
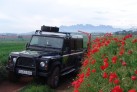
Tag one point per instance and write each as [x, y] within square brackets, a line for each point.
[29, 15]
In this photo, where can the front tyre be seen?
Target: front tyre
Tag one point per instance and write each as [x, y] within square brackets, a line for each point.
[53, 79]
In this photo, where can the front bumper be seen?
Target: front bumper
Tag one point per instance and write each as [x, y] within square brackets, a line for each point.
[28, 72]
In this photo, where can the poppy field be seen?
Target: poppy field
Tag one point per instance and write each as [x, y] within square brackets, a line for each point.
[109, 65]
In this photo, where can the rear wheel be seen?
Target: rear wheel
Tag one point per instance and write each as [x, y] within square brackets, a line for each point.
[53, 79]
[13, 77]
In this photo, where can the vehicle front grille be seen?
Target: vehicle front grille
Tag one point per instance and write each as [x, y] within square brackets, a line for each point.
[26, 62]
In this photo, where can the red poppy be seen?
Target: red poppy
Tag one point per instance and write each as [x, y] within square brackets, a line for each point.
[85, 63]
[94, 50]
[105, 75]
[133, 78]
[93, 70]
[124, 63]
[116, 81]
[134, 41]
[76, 90]
[93, 62]
[112, 76]
[102, 67]
[121, 52]
[81, 75]
[76, 84]
[88, 72]
[105, 60]
[114, 59]
[132, 90]
[135, 71]
[117, 89]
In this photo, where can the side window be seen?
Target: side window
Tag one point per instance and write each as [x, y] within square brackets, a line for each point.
[72, 45]
[78, 44]
[66, 48]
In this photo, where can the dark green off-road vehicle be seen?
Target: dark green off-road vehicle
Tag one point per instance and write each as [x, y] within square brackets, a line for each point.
[49, 54]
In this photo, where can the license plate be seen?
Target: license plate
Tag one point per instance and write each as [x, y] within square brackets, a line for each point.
[25, 72]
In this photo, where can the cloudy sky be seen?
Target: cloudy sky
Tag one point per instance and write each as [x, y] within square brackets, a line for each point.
[21, 16]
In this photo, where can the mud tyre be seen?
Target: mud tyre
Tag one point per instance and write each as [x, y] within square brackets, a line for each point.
[53, 79]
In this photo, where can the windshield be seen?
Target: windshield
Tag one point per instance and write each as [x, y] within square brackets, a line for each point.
[49, 42]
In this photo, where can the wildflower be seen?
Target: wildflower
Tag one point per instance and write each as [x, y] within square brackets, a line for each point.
[105, 75]
[114, 59]
[102, 67]
[93, 70]
[135, 71]
[88, 72]
[85, 63]
[112, 76]
[116, 81]
[117, 89]
[105, 60]
[94, 50]
[76, 90]
[121, 52]
[134, 41]
[133, 78]
[124, 63]
[93, 62]
[81, 75]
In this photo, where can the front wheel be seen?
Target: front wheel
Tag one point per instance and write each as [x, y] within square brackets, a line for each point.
[53, 79]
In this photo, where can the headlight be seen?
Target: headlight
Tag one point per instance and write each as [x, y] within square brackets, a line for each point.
[14, 60]
[42, 64]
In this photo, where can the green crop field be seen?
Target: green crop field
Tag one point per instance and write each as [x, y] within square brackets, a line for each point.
[8, 46]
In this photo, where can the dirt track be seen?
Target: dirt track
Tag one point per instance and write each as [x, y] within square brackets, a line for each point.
[7, 86]
[65, 84]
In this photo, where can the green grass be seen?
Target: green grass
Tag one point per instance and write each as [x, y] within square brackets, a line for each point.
[6, 47]
[9, 46]
[36, 88]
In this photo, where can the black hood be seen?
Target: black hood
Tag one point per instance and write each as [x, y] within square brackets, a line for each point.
[29, 53]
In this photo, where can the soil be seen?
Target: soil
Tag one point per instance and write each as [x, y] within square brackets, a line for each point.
[7, 86]
[65, 84]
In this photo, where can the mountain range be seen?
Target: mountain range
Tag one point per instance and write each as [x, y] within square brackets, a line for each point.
[74, 28]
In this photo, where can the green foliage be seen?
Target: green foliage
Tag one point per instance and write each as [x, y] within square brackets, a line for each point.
[36, 88]
[7, 47]
[96, 82]
[3, 73]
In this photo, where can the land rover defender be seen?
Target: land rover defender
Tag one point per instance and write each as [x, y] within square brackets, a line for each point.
[49, 54]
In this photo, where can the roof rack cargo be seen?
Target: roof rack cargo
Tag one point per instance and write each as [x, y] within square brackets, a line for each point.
[49, 29]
